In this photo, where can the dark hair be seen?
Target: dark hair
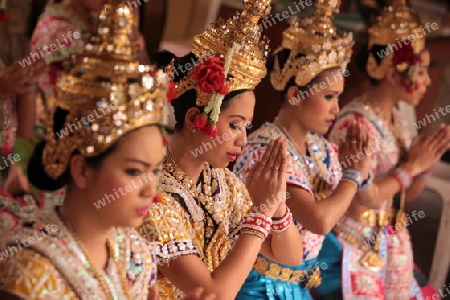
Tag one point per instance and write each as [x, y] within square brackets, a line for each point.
[188, 100]
[363, 56]
[35, 169]
[37, 8]
[375, 50]
[283, 56]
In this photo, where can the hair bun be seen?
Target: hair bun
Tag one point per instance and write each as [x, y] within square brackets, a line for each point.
[36, 174]
[163, 58]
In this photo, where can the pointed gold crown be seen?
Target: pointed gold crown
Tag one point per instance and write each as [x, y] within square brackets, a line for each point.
[247, 63]
[107, 93]
[318, 42]
[396, 24]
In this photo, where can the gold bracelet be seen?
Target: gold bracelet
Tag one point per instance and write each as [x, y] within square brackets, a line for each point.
[253, 232]
[351, 182]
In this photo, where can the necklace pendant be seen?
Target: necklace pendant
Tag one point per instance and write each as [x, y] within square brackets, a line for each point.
[372, 261]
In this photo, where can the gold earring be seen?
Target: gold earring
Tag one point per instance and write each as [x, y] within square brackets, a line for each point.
[194, 130]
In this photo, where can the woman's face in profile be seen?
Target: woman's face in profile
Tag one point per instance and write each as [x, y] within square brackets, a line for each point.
[231, 131]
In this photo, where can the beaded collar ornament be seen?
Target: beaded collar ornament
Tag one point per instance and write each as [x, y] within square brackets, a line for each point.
[238, 63]
[107, 93]
[321, 47]
[399, 29]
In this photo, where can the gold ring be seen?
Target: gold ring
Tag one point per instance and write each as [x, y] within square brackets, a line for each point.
[353, 141]
[276, 168]
[264, 164]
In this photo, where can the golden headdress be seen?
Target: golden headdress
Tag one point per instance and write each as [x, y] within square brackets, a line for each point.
[107, 93]
[321, 47]
[397, 24]
[235, 49]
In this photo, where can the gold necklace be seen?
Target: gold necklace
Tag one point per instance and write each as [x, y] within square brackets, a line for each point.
[216, 240]
[371, 259]
[203, 194]
[97, 274]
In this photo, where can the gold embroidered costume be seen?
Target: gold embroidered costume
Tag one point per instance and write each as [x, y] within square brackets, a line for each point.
[203, 218]
[109, 83]
[203, 226]
[49, 263]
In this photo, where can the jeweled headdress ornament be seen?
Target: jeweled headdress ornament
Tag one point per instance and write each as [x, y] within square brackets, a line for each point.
[107, 93]
[321, 47]
[399, 29]
[236, 59]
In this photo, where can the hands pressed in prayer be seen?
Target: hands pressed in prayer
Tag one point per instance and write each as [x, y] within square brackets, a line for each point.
[356, 145]
[266, 183]
[427, 149]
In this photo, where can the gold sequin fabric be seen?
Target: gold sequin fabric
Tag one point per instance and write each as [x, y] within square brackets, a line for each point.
[43, 261]
[178, 221]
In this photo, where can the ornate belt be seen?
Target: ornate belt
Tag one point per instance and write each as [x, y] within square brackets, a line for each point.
[374, 218]
[383, 218]
[371, 258]
[306, 278]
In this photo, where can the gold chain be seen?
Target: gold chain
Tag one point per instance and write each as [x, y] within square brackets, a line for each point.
[97, 274]
[350, 238]
[371, 258]
[204, 197]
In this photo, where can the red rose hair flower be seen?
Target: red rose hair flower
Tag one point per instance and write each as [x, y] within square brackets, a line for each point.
[210, 76]
[405, 54]
[201, 121]
[404, 59]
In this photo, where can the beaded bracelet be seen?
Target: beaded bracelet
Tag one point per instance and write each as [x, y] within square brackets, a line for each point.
[280, 225]
[355, 175]
[403, 177]
[257, 224]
